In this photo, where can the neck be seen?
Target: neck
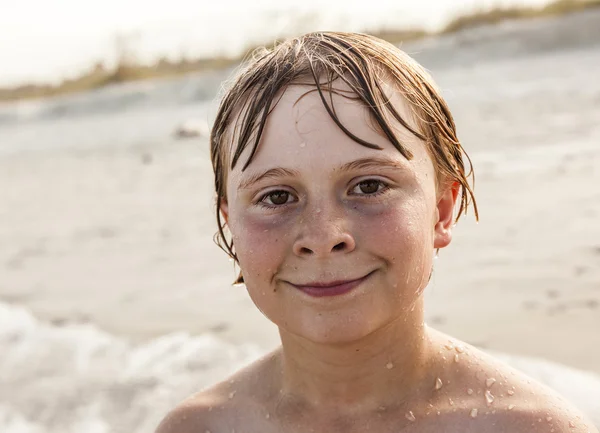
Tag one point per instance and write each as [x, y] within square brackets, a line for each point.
[383, 369]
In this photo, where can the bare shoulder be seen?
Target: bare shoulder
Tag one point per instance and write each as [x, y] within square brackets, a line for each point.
[544, 418]
[225, 405]
[529, 406]
[540, 409]
[486, 395]
[191, 416]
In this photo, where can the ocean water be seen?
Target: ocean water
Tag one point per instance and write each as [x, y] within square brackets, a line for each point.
[77, 378]
[113, 369]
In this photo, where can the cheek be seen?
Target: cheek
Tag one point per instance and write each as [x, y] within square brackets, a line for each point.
[401, 234]
[406, 223]
[259, 244]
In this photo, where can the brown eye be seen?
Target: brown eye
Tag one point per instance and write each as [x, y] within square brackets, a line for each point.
[369, 186]
[279, 197]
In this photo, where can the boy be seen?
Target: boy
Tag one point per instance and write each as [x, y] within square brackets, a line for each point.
[337, 171]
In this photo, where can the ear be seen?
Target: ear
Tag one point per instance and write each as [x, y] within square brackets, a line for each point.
[445, 216]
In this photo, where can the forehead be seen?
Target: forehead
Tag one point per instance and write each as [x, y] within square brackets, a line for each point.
[300, 130]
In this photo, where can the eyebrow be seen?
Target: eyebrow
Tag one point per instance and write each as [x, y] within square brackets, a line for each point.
[270, 173]
[363, 163]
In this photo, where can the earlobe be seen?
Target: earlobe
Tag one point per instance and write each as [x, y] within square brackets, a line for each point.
[445, 220]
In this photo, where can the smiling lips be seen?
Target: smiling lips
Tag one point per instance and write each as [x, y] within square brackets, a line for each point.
[334, 288]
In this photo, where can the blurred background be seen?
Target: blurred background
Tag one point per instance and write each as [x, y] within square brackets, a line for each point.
[115, 303]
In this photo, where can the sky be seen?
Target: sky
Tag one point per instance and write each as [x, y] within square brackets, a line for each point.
[45, 41]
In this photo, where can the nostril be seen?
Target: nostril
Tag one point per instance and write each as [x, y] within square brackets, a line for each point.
[304, 250]
[339, 246]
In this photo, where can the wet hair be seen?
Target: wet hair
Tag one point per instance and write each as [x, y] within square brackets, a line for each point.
[319, 59]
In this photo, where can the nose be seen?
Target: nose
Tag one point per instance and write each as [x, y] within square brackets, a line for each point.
[324, 233]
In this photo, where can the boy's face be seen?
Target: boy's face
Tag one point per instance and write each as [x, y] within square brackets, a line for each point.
[331, 210]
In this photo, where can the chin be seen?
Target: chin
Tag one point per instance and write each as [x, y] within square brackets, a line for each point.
[337, 329]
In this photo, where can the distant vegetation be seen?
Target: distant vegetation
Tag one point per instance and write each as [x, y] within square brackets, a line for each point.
[128, 69]
[99, 76]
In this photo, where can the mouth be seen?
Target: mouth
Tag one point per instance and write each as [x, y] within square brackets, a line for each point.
[333, 288]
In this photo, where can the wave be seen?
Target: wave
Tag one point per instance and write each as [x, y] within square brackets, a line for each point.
[76, 378]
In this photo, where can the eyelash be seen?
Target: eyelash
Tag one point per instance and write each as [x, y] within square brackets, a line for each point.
[376, 193]
[261, 200]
